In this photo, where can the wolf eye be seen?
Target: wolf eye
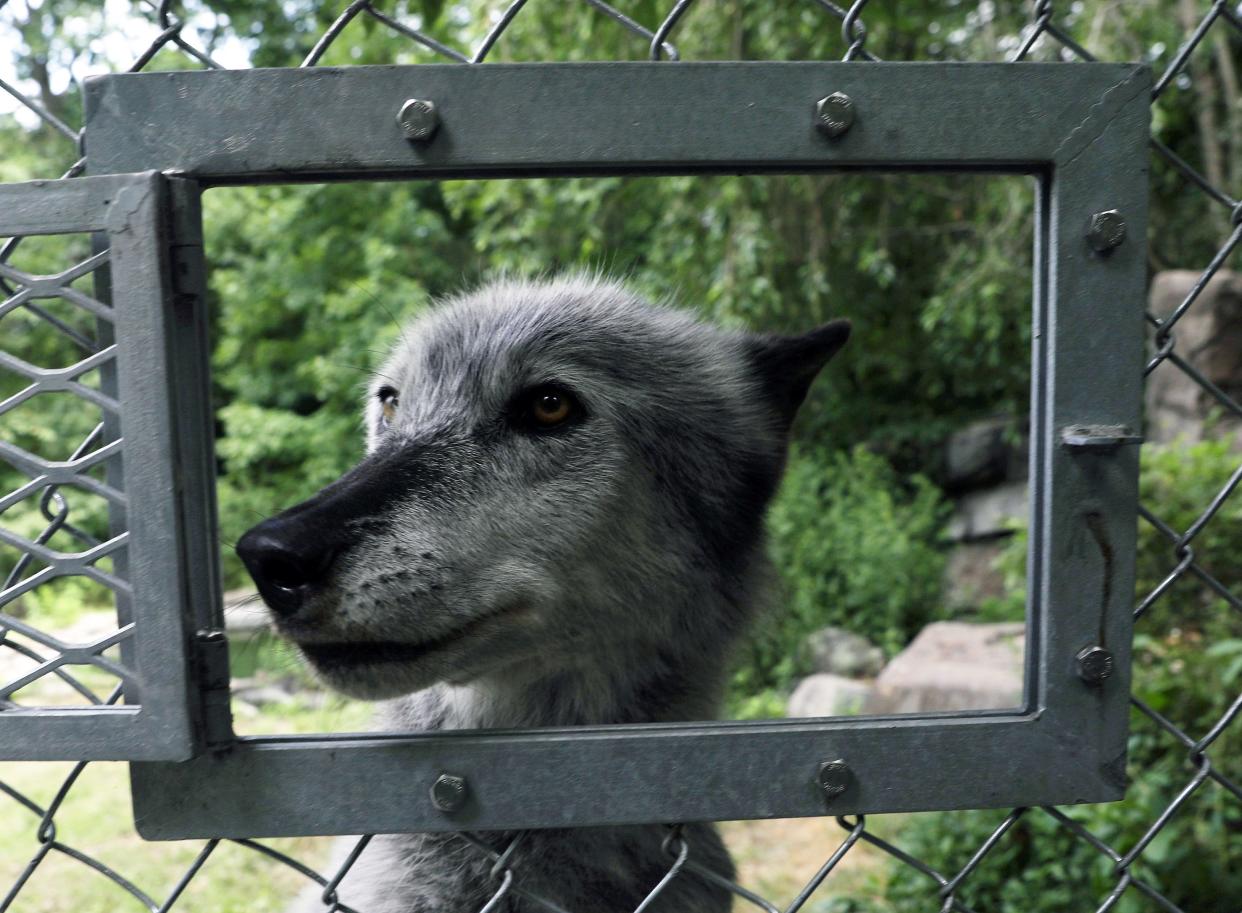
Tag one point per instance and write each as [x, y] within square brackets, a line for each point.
[547, 407]
[388, 406]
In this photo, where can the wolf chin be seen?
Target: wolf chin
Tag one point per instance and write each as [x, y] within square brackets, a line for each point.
[558, 522]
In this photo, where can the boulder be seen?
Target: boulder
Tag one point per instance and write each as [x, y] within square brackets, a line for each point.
[954, 665]
[837, 651]
[262, 695]
[828, 695]
[985, 453]
[1209, 337]
[971, 576]
[989, 513]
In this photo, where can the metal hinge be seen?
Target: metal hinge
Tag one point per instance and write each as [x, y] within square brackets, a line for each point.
[212, 658]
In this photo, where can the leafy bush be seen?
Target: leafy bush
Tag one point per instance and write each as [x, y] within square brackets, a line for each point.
[856, 545]
[1187, 666]
[1040, 867]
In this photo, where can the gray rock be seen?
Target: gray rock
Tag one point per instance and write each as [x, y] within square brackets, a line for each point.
[988, 514]
[828, 695]
[984, 453]
[837, 651]
[970, 574]
[954, 665]
[267, 694]
[1209, 337]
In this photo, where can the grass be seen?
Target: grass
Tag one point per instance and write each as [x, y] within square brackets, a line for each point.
[96, 818]
[774, 858]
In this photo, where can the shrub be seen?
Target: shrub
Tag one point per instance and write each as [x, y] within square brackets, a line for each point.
[855, 545]
[1187, 665]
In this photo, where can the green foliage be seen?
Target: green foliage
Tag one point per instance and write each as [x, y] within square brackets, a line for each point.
[49, 425]
[1041, 868]
[899, 255]
[856, 545]
[310, 286]
[1178, 482]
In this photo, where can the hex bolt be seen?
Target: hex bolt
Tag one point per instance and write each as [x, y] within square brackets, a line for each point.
[1094, 664]
[418, 119]
[834, 777]
[1106, 231]
[834, 115]
[449, 793]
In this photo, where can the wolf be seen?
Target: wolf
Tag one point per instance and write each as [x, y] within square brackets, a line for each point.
[558, 522]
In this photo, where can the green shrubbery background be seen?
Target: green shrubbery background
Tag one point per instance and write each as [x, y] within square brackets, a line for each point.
[1188, 668]
[310, 284]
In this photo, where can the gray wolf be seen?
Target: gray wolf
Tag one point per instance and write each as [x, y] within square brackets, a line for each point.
[558, 522]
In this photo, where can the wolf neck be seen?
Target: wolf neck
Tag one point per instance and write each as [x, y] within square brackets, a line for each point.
[580, 697]
[678, 679]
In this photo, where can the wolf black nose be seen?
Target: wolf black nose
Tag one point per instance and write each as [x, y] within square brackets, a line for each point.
[286, 569]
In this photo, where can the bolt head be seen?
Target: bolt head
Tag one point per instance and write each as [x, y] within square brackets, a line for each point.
[1094, 664]
[834, 777]
[449, 792]
[1106, 230]
[419, 119]
[834, 115]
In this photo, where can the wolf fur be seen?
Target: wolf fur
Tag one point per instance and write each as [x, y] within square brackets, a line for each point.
[479, 571]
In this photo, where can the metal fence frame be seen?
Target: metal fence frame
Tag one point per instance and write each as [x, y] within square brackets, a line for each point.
[1049, 31]
[1081, 133]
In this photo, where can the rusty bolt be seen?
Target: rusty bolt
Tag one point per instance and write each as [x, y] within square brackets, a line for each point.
[418, 119]
[1106, 230]
[834, 777]
[834, 115]
[1094, 664]
[449, 793]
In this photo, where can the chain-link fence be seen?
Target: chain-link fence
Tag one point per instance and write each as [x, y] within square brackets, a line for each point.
[1049, 34]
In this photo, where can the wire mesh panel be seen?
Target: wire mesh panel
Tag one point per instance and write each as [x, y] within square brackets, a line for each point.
[1186, 771]
[94, 483]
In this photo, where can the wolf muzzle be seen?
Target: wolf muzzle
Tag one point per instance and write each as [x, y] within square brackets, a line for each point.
[291, 555]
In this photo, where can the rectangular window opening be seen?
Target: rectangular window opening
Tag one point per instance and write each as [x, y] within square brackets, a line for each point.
[899, 532]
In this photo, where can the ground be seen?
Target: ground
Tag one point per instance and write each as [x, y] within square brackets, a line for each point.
[774, 858]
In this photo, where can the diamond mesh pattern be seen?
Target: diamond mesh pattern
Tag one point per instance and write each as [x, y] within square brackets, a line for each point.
[1052, 32]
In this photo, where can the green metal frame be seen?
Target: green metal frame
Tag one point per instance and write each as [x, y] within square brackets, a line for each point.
[1081, 131]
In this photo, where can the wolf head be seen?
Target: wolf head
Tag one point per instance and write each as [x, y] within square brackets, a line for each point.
[559, 476]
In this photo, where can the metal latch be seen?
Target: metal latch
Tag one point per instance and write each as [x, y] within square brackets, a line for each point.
[1098, 438]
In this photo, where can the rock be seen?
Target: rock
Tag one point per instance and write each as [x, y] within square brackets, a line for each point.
[988, 514]
[1209, 337]
[268, 694]
[837, 651]
[245, 611]
[970, 574]
[954, 665]
[828, 695]
[240, 708]
[983, 454]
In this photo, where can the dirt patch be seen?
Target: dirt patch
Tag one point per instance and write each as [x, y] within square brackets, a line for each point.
[775, 858]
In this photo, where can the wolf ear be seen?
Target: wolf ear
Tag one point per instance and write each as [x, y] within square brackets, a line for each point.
[786, 365]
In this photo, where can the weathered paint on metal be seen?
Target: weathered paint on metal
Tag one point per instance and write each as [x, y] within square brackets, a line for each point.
[1081, 131]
